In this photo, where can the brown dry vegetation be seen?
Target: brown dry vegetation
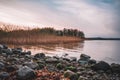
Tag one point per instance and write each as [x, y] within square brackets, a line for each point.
[13, 35]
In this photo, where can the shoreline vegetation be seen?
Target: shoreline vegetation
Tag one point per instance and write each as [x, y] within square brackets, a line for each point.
[12, 34]
[16, 64]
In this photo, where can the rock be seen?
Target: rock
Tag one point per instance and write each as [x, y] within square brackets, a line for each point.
[4, 75]
[65, 58]
[73, 59]
[82, 78]
[60, 66]
[52, 60]
[115, 68]
[32, 65]
[16, 51]
[1, 46]
[82, 62]
[71, 68]
[101, 66]
[71, 75]
[19, 49]
[10, 68]
[25, 73]
[84, 57]
[1, 66]
[40, 55]
[7, 51]
[92, 61]
[26, 53]
[41, 66]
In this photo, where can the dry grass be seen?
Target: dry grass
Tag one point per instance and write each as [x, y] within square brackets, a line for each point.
[40, 39]
[10, 34]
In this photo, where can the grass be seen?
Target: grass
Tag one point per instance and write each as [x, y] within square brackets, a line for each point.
[38, 35]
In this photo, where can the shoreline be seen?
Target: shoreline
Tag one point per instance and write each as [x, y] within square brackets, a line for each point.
[15, 64]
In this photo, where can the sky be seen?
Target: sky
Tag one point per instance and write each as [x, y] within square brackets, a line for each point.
[96, 18]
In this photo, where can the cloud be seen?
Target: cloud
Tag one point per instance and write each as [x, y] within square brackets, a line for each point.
[94, 17]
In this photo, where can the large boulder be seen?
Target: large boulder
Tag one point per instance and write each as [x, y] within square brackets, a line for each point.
[101, 66]
[25, 73]
[32, 65]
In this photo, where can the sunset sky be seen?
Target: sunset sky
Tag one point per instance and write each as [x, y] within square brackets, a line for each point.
[94, 17]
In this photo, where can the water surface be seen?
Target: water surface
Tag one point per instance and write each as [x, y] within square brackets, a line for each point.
[107, 50]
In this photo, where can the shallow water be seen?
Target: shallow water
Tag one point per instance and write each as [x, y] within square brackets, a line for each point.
[106, 50]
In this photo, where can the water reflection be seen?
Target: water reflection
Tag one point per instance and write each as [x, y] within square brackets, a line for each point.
[53, 49]
[100, 50]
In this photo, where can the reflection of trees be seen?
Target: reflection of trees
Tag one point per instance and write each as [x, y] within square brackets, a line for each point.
[51, 47]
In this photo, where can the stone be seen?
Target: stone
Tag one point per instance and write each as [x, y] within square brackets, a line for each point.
[25, 73]
[71, 75]
[10, 68]
[26, 53]
[73, 59]
[82, 78]
[71, 68]
[2, 65]
[101, 66]
[82, 62]
[60, 66]
[5, 46]
[40, 55]
[7, 51]
[32, 65]
[84, 57]
[115, 68]
[41, 66]
[16, 51]
[92, 61]
[4, 75]
[52, 60]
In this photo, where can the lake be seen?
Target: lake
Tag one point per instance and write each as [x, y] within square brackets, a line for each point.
[107, 50]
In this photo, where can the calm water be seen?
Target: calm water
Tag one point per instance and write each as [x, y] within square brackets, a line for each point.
[100, 50]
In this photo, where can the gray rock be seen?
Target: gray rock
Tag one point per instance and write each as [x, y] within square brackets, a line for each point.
[7, 51]
[115, 68]
[25, 73]
[84, 57]
[10, 68]
[101, 66]
[52, 60]
[71, 75]
[92, 61]
[32, 65]
[73, 59]
[82, 62]
[82, 78]
[4, 75]
[40, 55]
[2, 65]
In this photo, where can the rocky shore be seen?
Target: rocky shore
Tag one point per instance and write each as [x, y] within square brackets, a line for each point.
[15, 64]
